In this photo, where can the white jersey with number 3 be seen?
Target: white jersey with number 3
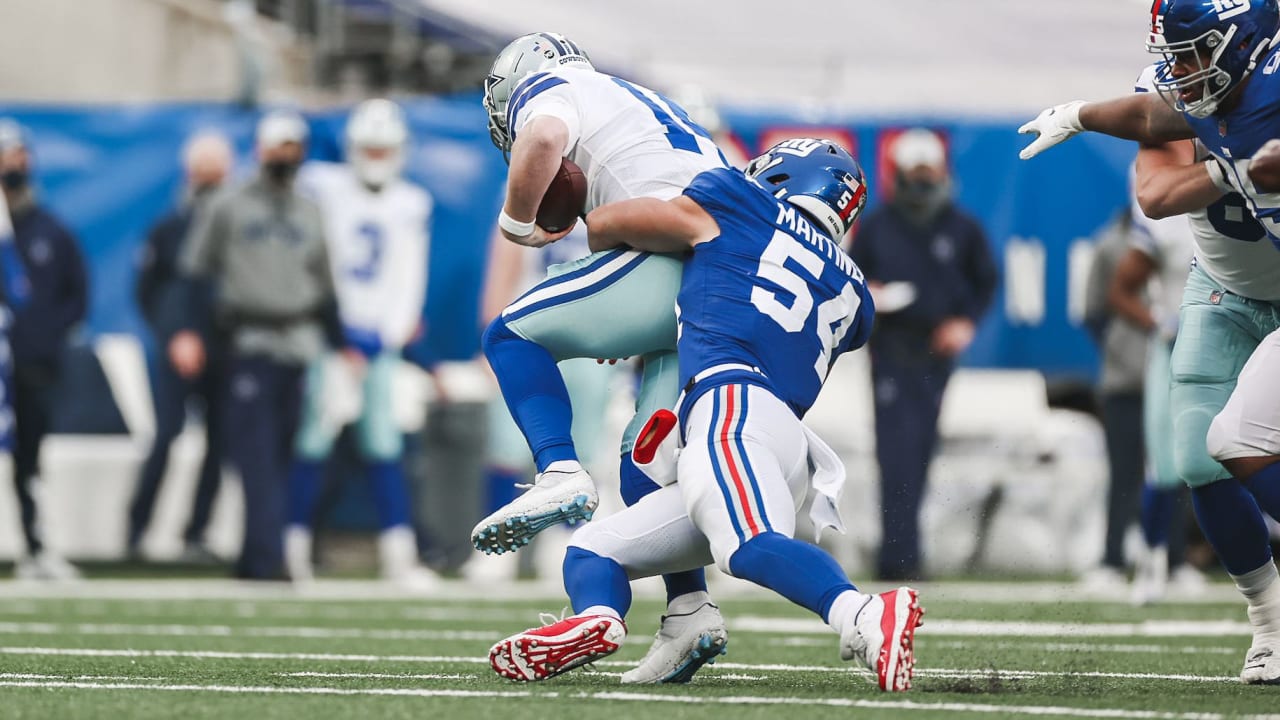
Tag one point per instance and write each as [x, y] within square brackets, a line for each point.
[377, 248]
[629, 141]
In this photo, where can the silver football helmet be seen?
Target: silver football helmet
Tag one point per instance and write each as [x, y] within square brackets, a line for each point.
[523, 57]
[376, 139]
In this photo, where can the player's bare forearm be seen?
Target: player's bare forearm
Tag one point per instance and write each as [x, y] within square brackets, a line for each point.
[1170, 182]
[1142, 116]
[535, 159]
[650, 224]
[1125, 293]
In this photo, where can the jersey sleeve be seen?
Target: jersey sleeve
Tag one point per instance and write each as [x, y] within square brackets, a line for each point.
[545, 94]
[725, 194]
[1146, 81]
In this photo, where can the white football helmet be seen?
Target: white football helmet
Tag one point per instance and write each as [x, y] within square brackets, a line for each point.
[523, 57]
[376, 139]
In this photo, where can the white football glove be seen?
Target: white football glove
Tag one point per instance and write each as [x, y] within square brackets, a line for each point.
[1051, 127]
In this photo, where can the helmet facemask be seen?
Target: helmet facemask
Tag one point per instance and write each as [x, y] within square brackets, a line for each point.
[1212, 80]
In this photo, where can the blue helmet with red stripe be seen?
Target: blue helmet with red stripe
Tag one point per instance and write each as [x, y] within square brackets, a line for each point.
[1209, 47]
[817, 176]
[525, 55]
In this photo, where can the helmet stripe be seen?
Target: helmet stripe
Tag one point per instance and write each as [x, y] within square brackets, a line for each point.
[554, 41]
[515, 107]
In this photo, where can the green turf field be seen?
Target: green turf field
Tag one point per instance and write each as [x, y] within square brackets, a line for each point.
[209, 649]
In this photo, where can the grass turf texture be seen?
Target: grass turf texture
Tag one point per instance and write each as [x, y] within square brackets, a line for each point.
[246, 655]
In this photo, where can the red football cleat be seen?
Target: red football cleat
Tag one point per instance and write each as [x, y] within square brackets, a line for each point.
[544, 652]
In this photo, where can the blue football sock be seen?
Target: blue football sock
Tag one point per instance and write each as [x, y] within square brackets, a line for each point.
[1233, 525]
[632, 483]
[390, 494]
[1157, 512]
[802, 573]
[1265, 487]
[304, 488]
[534, 392]
[592, 580]
[501, 483]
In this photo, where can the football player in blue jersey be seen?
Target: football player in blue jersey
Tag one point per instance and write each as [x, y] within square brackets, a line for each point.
[768, 301]
[1219, 84]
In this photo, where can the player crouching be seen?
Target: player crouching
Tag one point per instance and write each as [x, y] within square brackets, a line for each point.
[767, 303]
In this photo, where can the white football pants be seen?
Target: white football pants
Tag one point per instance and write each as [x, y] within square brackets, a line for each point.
[1249, 424]
[743, 471]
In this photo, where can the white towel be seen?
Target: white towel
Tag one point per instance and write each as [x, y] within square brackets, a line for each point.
[828, 481]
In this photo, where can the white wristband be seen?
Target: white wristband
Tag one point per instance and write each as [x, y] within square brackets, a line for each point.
[1218, 175]
[513, 226]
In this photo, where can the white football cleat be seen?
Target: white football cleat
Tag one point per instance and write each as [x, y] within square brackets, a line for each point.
[544, 652]
[1262, 663]
[555, 497]
[1150, 576]
[881, 635]
[685, 642]
[45, 565]
[297, 554]
[399, 563]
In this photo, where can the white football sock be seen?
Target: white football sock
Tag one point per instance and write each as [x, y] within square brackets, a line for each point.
[600, 610]
[844, 608]
[566, 466]
[688, 602]
[1262, 591]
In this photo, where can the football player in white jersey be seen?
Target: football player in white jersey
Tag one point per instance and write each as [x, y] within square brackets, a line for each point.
[1227, 326]
[545, 103]
[378, 232]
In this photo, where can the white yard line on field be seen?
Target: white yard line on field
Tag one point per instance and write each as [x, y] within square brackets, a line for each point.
[744, 624]
[895, 705]
[479, 660]
[176, 630]
[463, 592]
[380, 676]
[1004, 628]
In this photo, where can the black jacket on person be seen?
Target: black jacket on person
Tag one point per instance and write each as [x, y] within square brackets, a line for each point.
[59, 288]
[948, 261]
[160, 289]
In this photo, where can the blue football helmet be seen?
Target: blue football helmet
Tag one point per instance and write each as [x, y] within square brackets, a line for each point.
[817, 176]
[1233, 34]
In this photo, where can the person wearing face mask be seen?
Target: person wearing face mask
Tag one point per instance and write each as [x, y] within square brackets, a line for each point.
[930, 269]
[207, 159]
[261, 247]
[58, 292]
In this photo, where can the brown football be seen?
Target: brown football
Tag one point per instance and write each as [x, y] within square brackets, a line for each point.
[564, 199]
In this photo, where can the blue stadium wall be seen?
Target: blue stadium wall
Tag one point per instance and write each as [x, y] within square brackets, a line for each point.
[110, 171]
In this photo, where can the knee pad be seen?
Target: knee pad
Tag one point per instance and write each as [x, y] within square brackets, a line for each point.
[1195, 466]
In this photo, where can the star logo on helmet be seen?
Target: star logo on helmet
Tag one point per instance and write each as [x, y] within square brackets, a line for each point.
[491, 81]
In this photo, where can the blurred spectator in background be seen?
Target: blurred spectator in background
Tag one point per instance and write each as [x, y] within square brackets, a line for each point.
[262, 247]
[41, 326]
[1124, 351]
[376, 224]
[1146, 290]
[207, 159]
[930, 270]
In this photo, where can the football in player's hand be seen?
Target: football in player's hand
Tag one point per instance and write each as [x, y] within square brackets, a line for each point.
[1264, 168]
[565, 198]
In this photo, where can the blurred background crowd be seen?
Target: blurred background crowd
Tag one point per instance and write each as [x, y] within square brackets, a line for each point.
[994, 425]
